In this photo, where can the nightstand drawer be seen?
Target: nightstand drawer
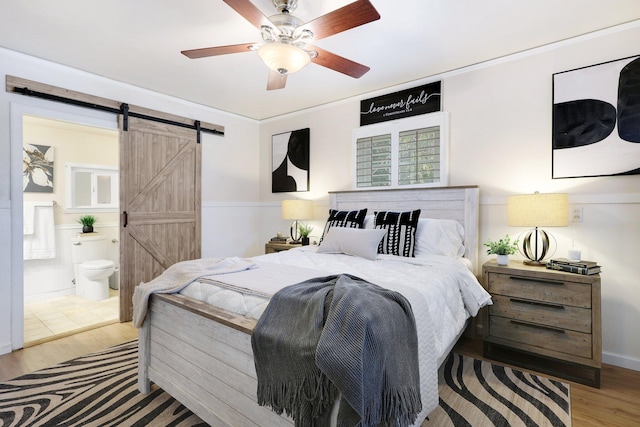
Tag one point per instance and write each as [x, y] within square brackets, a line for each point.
[556, 339]
[544, 313]
[531, 288]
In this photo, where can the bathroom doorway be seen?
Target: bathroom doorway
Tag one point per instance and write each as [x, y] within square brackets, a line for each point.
[52, 308]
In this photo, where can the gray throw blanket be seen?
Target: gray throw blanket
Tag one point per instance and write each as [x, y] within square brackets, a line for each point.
[338, 334]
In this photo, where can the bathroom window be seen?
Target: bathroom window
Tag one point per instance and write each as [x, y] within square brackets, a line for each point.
[409, 152]
[92, 188]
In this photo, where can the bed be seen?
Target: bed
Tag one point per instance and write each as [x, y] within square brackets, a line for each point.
[202, 355]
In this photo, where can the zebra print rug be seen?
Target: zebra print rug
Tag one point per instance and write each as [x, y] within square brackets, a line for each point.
[100, 389]
[476, 393]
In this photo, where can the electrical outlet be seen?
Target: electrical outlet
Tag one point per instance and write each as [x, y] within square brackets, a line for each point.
[576, 215]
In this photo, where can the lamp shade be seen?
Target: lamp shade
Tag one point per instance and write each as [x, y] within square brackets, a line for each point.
[283, 58]
[297, 209]
[538, 210]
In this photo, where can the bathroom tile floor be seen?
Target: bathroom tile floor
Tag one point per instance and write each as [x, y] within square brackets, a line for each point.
[59, 317]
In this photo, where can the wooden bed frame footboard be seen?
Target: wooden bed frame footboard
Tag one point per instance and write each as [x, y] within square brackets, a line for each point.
[202, 356]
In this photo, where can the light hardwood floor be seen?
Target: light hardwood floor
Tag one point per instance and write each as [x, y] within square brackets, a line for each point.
[52, 352]
[616, 403]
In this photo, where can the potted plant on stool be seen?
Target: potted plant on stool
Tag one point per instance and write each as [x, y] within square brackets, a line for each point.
[87, 222]
[502, 248]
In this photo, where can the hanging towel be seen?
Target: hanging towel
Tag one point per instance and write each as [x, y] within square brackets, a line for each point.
[28, 214]
[28, 217]
[42, 243]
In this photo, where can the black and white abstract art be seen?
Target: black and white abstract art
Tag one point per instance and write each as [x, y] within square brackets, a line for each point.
[37, 168]
[596, 120]
[290, 168]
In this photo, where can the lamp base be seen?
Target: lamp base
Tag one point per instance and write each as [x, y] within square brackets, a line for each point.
[536, 245]
[294, 231]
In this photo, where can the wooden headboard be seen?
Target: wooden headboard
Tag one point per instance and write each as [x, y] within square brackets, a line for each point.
[457, 203]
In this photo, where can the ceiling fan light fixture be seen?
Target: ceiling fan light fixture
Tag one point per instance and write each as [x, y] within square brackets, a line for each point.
[283, 58]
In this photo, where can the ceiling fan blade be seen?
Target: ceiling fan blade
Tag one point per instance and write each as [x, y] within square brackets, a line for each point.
[350, 16]
[276, 80]
[338, 63]
[248, 11]
[218, 50]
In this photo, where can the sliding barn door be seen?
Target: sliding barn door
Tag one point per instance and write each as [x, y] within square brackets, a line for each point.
[160, 202]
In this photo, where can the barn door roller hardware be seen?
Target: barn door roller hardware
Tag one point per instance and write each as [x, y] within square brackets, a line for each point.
[124, 110]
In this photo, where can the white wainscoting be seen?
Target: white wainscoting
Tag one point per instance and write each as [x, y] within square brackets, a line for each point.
[51, 278]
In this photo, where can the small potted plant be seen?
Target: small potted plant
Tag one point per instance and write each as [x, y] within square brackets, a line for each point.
[502, 248]
[304, 231]
[87, 222]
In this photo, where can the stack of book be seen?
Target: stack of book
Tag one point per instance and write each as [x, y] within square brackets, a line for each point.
[578, 267]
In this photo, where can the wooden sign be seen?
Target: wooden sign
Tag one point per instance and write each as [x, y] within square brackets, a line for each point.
[406, 103]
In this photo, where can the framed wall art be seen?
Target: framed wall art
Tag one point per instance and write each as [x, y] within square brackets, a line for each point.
[290, 161]
[596, 120]
[37, 168]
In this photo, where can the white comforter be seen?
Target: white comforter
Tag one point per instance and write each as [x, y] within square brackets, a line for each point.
[442, 292]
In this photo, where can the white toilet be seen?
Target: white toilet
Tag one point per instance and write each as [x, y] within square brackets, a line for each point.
[91, 266]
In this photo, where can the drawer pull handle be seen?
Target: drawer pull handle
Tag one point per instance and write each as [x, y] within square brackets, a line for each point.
[533, 279]
[531, 325]
[540, 303]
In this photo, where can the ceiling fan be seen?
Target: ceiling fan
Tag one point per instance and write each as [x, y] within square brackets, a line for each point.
[285, 46]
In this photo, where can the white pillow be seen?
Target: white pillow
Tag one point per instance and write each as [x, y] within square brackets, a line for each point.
[439, 237]
[369, 222]
[352, 241]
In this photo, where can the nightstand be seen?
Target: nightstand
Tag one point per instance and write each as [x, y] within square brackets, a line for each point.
[544, 320]
[272, 247]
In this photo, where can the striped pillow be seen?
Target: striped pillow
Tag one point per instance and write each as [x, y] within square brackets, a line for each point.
[350, 219]
[401, 232]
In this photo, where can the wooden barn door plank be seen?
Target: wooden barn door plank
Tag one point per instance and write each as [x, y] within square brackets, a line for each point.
[160, 193]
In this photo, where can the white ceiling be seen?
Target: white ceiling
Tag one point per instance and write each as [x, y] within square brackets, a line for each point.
[139, 42]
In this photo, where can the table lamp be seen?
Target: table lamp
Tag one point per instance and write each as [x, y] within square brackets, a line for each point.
[537, 210]
[296, 210]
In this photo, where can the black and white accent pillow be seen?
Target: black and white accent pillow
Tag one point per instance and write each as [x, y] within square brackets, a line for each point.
[350, 219]
[401, 232]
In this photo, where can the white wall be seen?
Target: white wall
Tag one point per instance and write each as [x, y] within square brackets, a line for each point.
[229, 171]
[331, 161]
[500, 140]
